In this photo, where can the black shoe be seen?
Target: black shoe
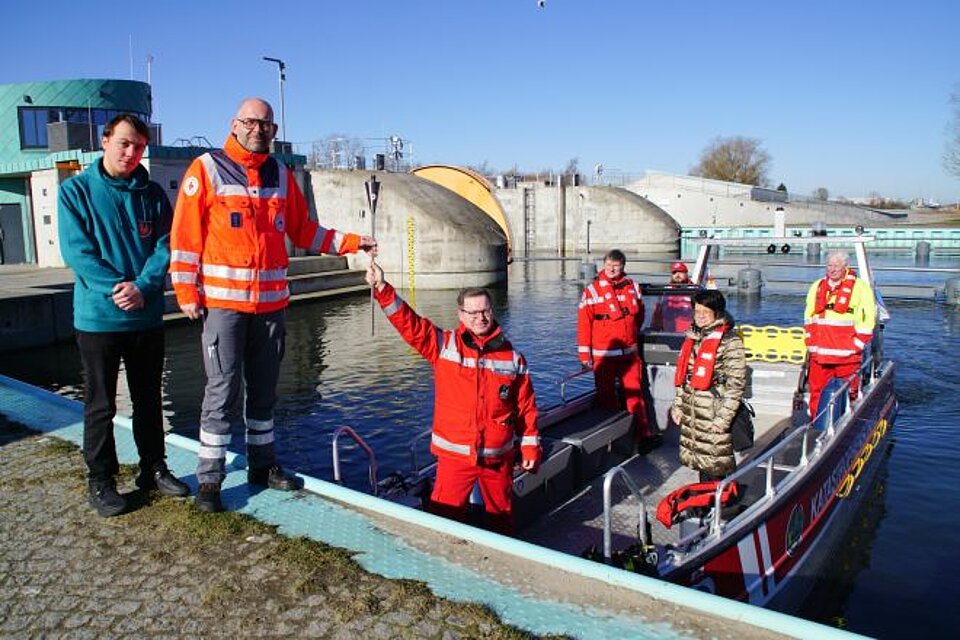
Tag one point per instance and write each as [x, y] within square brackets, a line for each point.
[272, 478]
[163, 481]
[105, 499]
[208, 498]
[647, 445]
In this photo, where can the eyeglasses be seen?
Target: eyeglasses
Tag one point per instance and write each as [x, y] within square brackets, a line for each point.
[486, 313]
[252, 123]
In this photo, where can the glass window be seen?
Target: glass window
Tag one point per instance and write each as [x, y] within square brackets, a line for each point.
[33, 121]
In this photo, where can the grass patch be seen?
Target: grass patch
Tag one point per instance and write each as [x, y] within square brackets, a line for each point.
[179, 521]
[219, 594]
[55, 447]
[317, 564]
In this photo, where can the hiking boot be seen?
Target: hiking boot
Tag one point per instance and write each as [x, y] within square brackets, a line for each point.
[272, 478]
[208, 498]
[163, 481]
[105, 499]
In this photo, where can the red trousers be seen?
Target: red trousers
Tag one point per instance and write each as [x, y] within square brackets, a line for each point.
[454, 483]
[820, 375]
[629, 369]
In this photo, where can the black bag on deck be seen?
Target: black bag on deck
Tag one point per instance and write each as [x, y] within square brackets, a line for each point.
[742, 427]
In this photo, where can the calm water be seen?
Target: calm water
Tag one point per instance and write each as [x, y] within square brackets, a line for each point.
[894, 579]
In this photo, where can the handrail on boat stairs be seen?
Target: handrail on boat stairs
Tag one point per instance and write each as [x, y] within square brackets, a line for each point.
[647, 550]
[363, 445]
[567, 379]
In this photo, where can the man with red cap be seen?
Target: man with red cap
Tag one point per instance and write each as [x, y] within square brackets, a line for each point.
[674, 313]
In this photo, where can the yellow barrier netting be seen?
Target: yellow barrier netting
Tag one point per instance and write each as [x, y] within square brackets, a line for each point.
[773, 344]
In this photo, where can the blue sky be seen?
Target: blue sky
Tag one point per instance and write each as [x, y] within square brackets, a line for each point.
[848, 95]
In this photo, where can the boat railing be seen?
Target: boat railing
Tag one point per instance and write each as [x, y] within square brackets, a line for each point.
[345, 430]
[414, 443]
[608, 479]
[567, 379]
[812, 446]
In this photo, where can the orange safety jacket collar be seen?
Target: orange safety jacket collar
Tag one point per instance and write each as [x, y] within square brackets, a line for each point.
[844, 291]
[706, 360]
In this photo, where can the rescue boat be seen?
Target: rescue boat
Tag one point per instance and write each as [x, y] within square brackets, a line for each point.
[763, 533]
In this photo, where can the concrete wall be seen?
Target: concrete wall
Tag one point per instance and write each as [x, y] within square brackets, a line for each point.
[452, 242]
[618, 219]
[167, 172]
[699, 202]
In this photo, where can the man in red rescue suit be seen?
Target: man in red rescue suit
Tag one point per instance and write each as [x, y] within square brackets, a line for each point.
[229, 268]
[608, 323]
[483, 401]
[674, 313]
[839, 318]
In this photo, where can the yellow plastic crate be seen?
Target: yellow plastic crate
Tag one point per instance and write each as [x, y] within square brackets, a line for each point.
[773, 344]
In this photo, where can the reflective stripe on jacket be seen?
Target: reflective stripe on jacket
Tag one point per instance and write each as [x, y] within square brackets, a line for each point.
[609, 318]
[484, 399]
[835, 337]
[233, 212]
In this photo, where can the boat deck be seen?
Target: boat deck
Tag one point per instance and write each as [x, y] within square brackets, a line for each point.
[577, 525]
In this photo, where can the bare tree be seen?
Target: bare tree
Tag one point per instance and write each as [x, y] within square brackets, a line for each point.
[484, 168]
[821, 193]
[736, 159]
[336, 151]
[571, 167]
[951, 156]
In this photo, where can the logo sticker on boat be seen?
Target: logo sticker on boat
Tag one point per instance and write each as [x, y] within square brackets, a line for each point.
[794, 534]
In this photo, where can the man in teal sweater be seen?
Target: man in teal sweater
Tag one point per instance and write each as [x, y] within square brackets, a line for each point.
[115, 235]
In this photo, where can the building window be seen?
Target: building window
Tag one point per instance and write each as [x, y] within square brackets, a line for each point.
[34, 120]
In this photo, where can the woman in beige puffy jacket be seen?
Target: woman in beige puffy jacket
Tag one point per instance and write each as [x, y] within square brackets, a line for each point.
[711, 376]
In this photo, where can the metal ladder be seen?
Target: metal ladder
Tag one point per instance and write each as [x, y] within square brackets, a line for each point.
[363, 445]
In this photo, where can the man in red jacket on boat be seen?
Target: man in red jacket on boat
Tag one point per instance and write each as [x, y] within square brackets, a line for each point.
[484, 401]
[608, 325]
[674, 313]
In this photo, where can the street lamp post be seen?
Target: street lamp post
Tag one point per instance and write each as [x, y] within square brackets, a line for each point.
[283, 76]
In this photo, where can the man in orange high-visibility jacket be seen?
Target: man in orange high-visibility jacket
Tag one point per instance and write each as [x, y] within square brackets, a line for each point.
[839, 318]
[483, 402]
[608, 324]
[229, 267]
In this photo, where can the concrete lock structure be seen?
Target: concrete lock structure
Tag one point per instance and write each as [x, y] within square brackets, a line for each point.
[701, 202]
[555, 218]
[453, 242]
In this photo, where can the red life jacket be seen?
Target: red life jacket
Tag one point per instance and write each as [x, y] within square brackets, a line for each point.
[706, 359]
[843, 294]
[609, 317]
[699, 494]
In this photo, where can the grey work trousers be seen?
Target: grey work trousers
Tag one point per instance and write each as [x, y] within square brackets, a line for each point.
[241, 356]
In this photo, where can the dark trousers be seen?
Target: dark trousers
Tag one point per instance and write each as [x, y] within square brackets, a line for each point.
[142, 356]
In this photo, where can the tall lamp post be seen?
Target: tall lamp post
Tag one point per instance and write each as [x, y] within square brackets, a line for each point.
[283, 76]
